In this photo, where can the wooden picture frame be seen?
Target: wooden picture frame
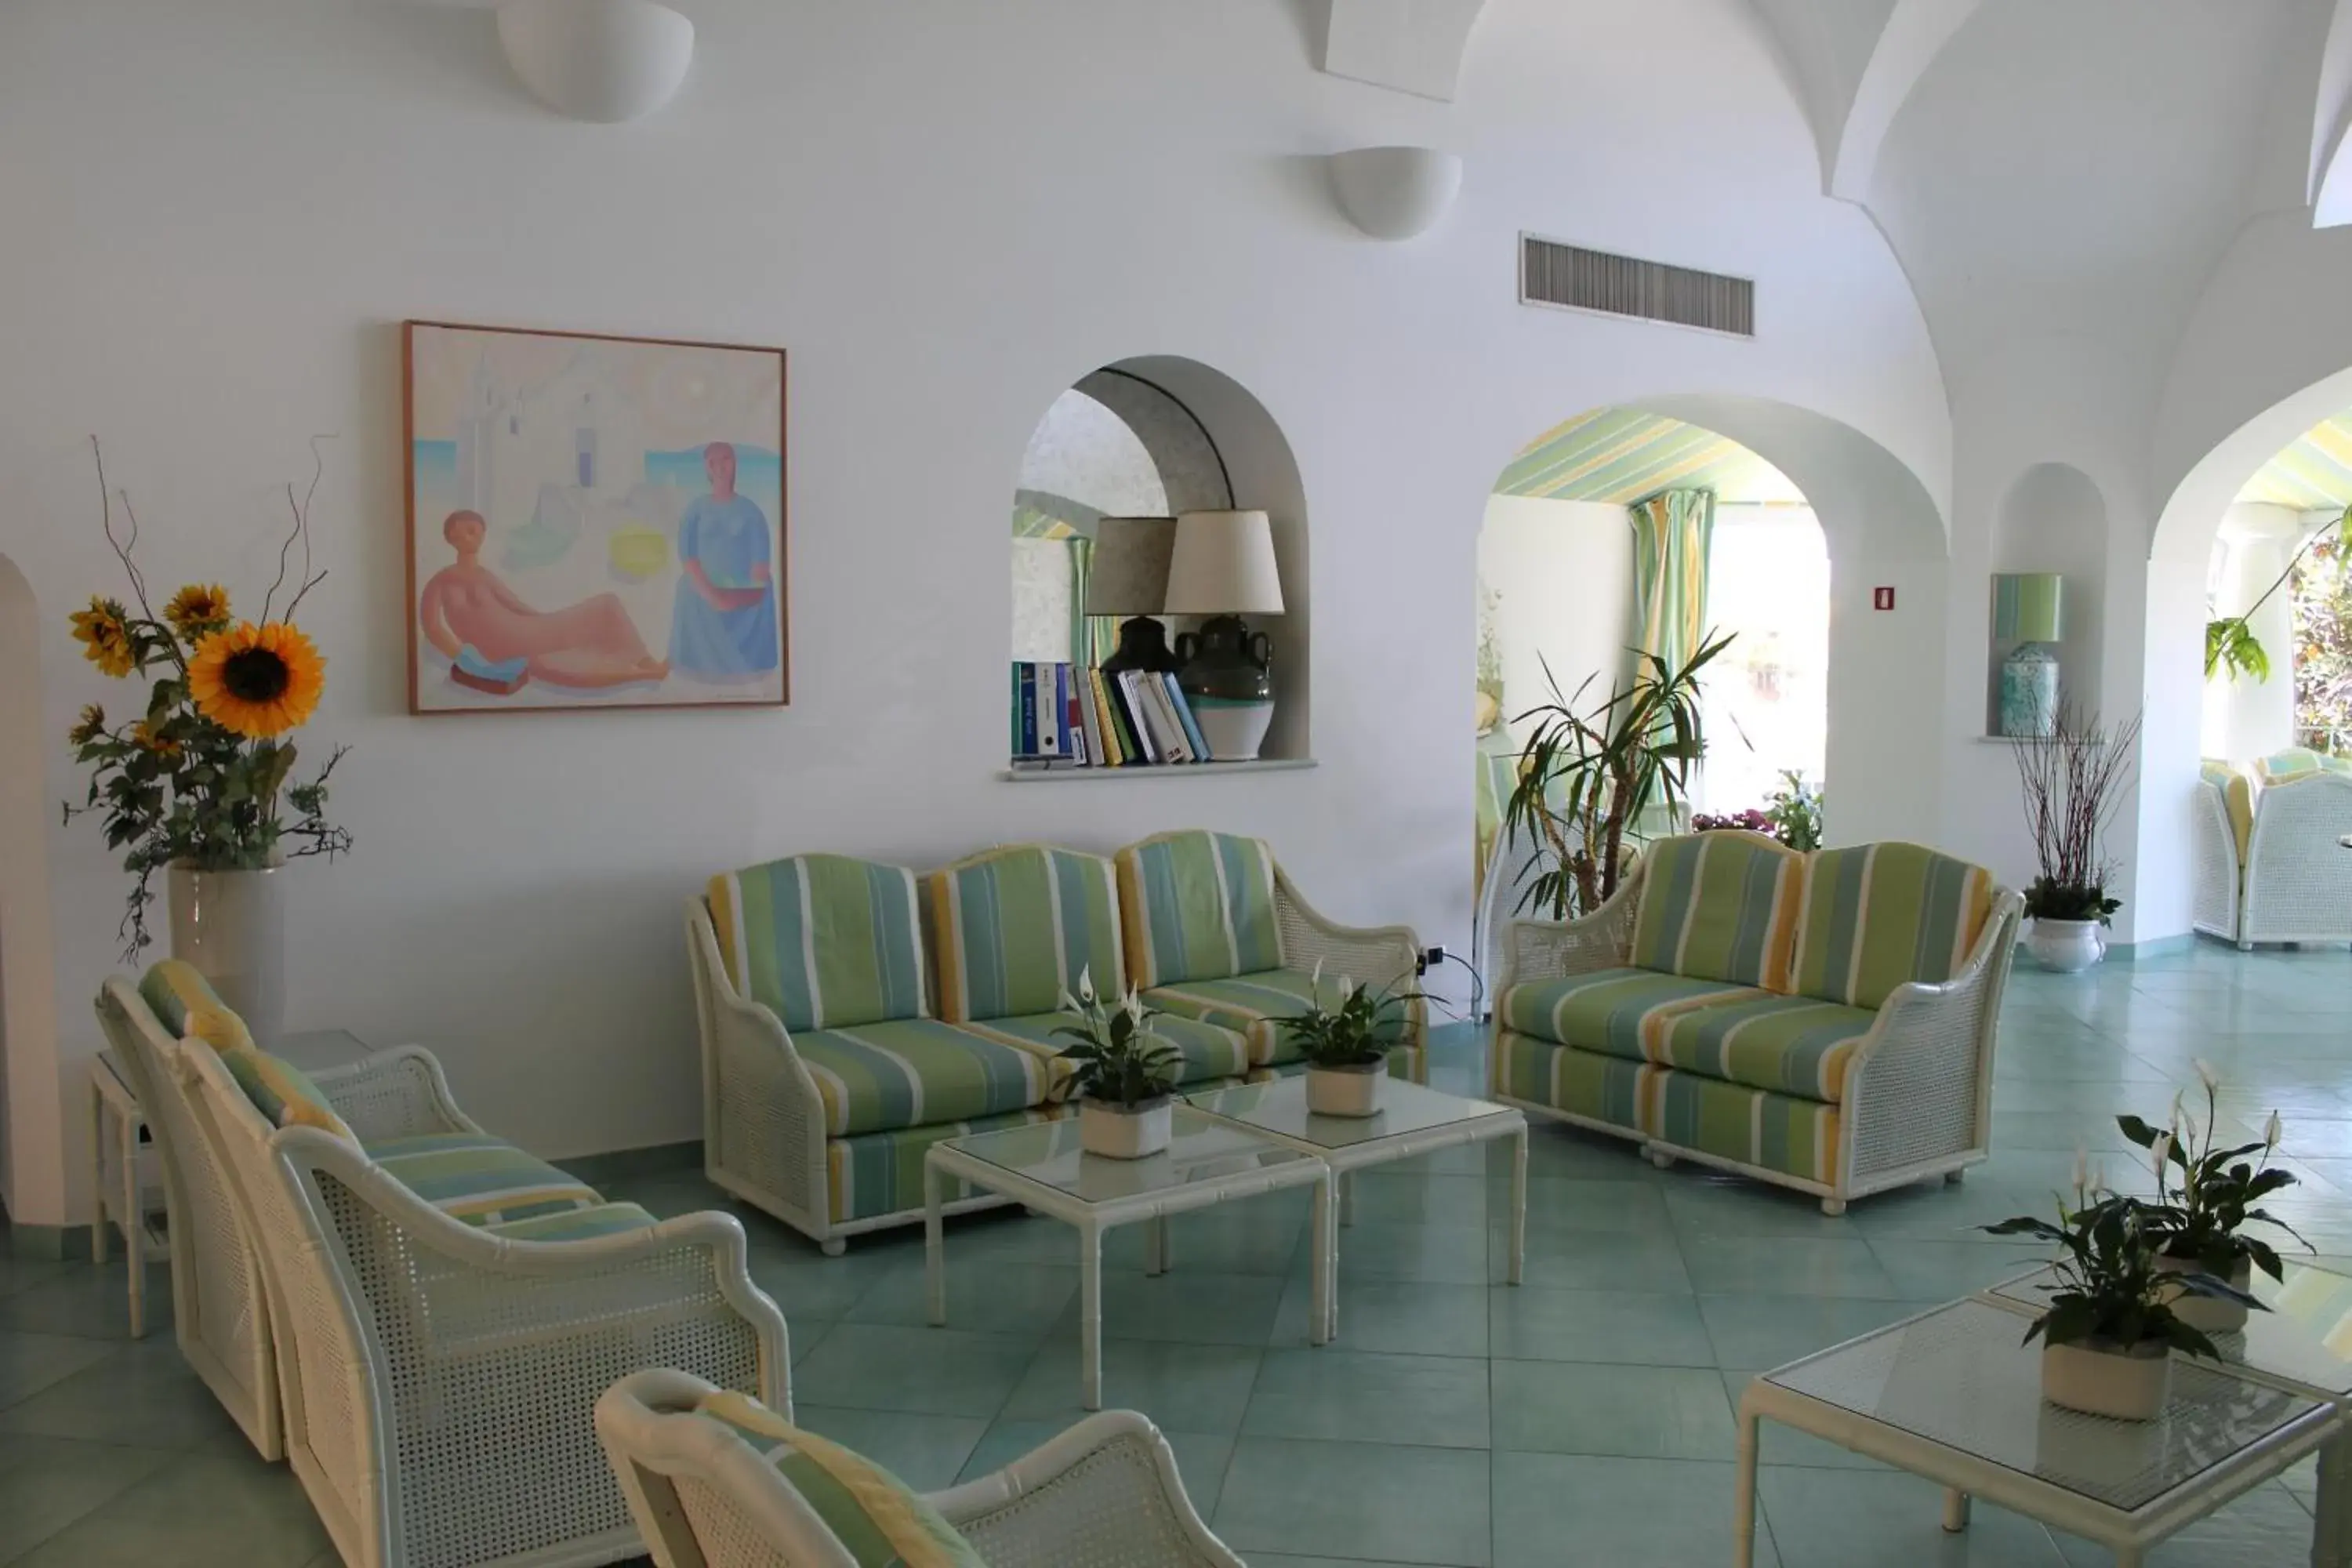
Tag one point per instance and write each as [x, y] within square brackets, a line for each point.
[594, 522]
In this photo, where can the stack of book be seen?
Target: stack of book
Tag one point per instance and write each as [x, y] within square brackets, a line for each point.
[1072, 716]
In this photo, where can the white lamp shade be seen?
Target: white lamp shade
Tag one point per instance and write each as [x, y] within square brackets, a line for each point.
[1224, 566]
[1395, 192]
[1130, 574]
[597, 59]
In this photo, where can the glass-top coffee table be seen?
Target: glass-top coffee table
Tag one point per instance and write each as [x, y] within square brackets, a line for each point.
[1207, 1162]
[1954, 1396]
[1412, 1121]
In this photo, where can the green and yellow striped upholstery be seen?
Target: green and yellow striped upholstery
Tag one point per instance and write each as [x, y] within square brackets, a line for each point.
[880, 1521]
[1208, 1050]
[1613, 1011]
[877, 1174]
[281, 1091]
[1777, 1132]
[822, 941]
[2237, 787]
[187, 1006]
[1197, 906]
[1016, 928]
[574, 1225]
[1248, 1005]
[479, 1179]
[1792, 1045]
[2297, 762]
[1882, 915]
[1582, 1083]
[904, 1073]
[1719, 906]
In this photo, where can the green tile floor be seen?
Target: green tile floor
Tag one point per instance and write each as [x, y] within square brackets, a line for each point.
[1584, 1417]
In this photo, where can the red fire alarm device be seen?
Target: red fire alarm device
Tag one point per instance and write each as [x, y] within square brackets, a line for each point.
[1881, 598]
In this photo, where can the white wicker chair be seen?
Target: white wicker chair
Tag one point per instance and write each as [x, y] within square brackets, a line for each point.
[438, 1380]
[1919, 1089]
[220, 1308]
[2295, 884]
[1104, 1494]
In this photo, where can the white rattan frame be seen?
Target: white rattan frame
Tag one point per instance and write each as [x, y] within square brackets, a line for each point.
[1965, 1475]
[763, 1124]
[2217, 875]
[1918, 1089]
[220, 1307]
[2298, 881]
[436, 1380]
[1094, 1217]
[1104, 1494]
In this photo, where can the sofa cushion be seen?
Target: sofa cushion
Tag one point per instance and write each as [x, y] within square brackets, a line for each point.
[1755, 1127]
[1197, 906]
[480, 1179]
[822, 941]
[877, 1174]
[878, 1519]
[1791, 1044]
[281, 1091]
[1613, 1011]
[1016, 928]
[1247, 1004]
[910, 1071]
[188, 1007]
[1587, 1084]
[2297, 762]
[1719, 906]
[1209, 1051]
[1882, 915]
[574, 1225]
[2237, 787]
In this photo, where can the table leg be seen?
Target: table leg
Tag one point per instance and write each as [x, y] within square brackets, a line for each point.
[1089, 1317]
[1519, 1204]
[1346, 1197]
[134, 1226]
[2331, 1530]
[97, 1175]
[1743, 1497]
[1956, 1510]
[935, 1259]
[1155, 1244]
[1318, 1284]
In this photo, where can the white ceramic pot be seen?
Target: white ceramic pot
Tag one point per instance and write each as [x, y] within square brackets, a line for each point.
[230, 926]
[1124, 1132]
[2129, 1387]
[2067, 946]
[1345, 1091]
[2207, 1314]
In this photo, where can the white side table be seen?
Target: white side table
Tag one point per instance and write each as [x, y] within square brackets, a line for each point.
[146, 1229]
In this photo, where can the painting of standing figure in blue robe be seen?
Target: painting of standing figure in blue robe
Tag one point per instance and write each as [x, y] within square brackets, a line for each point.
[593, 521]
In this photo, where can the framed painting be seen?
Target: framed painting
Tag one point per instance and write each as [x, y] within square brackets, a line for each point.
[592, 522]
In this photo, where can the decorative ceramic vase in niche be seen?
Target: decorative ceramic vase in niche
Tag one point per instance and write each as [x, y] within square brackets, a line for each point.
[1228, 677]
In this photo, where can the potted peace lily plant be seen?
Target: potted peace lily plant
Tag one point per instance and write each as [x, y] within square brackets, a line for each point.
[2197, 1224]
[1346, 1045]
[1123, 1073]
[2110, 1330]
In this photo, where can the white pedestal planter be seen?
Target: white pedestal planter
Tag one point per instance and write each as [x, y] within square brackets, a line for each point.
[2130, 1387]
[230, 926]
[2067, 946]
[1345, 1091]
[1124, 1132]
[2208, 1314]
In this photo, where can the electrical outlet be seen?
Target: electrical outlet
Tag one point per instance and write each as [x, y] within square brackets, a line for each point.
[1431, 958]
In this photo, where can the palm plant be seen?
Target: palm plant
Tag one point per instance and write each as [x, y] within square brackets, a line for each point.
[1591, 769]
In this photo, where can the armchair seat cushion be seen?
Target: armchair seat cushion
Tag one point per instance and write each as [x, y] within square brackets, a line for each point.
[1247, 1004]
[1789, 1045]
[574, 1225]
[878, 1174]
[1209, 1050]
[479, 1179]
[910, 1072]
[1615, 1012]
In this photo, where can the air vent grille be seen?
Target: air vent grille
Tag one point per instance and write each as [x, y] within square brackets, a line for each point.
[1575, 278]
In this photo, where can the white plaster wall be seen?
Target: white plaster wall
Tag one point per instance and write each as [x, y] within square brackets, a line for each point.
[1562, 577]
[217, 215]
[2244, 717]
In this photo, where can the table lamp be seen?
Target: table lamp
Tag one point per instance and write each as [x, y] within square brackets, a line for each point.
[2027, 609]
[1222, 567]
[1129, 577]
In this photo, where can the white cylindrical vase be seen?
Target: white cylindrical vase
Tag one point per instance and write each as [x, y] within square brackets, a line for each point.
[1126, 1132]
[2130, 1385]
[230, 927]
[1346, 1090]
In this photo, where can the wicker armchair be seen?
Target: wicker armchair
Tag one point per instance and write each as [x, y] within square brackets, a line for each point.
[1104, 1494]
[2294, 881]
[438, 1377]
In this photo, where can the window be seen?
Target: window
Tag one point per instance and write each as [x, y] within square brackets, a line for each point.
[1765, 700]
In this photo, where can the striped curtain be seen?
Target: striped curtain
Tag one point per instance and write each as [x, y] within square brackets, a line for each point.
[1671, 532]
[1093, 638]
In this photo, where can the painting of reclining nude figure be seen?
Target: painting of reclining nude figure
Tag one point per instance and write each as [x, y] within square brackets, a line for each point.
[592, 522]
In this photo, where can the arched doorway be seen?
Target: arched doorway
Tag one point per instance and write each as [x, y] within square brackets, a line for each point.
[32, 1157]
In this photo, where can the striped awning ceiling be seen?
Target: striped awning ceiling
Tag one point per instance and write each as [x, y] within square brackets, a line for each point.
[1622, 455]
[2316, 472]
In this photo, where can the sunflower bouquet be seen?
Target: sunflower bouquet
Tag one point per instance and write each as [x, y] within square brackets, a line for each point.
[201, 775]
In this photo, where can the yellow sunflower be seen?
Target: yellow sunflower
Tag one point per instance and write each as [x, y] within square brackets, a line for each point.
[147, 739]
[104, 637]
[91, 725]
[198, 609]
[257, 681]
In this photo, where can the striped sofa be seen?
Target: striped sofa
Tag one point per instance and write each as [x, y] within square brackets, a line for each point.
[853, 1014]
[2270, 861]
[1824, 1021]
